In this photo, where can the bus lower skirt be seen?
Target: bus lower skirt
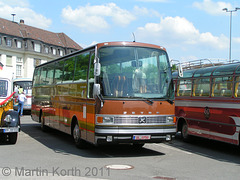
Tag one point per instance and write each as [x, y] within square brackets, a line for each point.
[118, 139]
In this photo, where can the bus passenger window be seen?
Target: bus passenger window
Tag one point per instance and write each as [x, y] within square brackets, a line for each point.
[58, 72]
[80, 74]
[68, 69]
[184, 88]
[222, 87]
[43, 76]
[237, 87]
[202, 87]
[50, 73]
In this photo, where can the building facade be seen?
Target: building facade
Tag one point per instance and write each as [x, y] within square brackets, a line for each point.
[23, 47]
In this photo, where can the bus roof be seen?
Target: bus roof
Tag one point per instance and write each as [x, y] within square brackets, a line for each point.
[223, 70]
[22, 79]
[116, 43]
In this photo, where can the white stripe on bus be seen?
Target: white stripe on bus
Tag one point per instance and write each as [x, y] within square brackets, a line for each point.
[186, 103]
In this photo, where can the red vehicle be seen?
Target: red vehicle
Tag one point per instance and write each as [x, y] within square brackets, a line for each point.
[208, 103]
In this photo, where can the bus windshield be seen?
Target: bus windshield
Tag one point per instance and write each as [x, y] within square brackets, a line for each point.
[25, 86]
[135, 72]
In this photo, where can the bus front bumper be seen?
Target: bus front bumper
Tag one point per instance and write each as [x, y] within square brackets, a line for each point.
[117, 135]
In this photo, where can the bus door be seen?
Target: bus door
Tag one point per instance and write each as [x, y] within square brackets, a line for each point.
[81, 85]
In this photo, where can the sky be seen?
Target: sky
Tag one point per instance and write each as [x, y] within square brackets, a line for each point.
[189, 29]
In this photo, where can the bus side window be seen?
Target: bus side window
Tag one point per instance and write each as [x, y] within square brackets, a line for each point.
[37, 76]
[50, 73]
[196, 91]
[184, 88]
[223, 87]
[69, 65]
[80, 74]
[43, 76]
[237, 87]
[58, 72]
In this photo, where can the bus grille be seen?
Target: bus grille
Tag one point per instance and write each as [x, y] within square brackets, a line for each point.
[135, 120]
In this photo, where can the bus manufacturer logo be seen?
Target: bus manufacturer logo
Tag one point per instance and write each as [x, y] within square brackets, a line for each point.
[142, 120]
[207, 112]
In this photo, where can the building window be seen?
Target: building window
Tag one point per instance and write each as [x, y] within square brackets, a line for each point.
[19, 44]
[9, 43]
[54, 51]
[60, 52]
[37, 47]
[18, 70]
[9, 61]
[0, 40]
[46, 50]
[19, 60]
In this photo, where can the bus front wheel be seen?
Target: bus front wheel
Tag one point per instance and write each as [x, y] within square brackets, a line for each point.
[77, 137]
[184, 132]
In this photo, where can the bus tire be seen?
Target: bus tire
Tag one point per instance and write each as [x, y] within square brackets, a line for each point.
[80, 143]
[184, 132]
[13, 137]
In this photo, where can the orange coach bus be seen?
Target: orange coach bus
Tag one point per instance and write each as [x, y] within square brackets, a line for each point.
[113, 92]
[207, 103]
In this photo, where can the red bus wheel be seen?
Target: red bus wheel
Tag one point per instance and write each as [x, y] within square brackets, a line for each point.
[184, 132]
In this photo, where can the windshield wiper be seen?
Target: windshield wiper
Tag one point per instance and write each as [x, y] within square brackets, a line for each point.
[148, 101]
[170, 101]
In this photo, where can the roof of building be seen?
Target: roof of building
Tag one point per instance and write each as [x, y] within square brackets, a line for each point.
[24, 31]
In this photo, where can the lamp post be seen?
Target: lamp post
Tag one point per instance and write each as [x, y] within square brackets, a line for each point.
[230, 34]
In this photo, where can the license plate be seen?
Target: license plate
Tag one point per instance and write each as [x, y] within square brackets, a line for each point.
[141, 137]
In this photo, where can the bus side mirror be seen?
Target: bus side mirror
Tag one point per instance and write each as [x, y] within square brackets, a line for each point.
[180, 70]
[96, 90]
[97, 69]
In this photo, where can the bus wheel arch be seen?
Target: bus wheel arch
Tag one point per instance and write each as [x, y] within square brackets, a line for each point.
[76, 134]
[183, 128]
[40, 116]
[42, 121]
[180, 123]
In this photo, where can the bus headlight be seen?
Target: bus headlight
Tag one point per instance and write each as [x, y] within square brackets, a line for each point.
[108, 120]
[8, 119]
[169, 119]
[105, 120]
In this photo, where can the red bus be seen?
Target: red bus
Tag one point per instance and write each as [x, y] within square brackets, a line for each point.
[207, 103]
[113, 92]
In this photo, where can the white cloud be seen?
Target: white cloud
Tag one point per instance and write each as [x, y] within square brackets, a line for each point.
[179, 32]
[29, 16]
[95, 18]
[88, 45]
[142, 11]
[213, 8]
[16, 3]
